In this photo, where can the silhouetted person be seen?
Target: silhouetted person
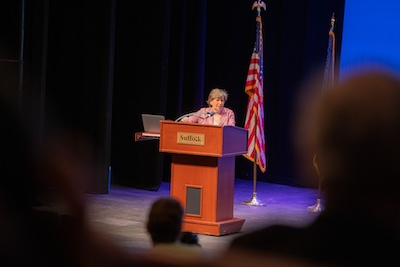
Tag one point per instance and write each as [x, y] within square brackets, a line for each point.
[42, 208]
[355, 136]
[164, 224]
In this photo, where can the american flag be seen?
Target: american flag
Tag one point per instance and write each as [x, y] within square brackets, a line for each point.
[255, 107]
[329, 73]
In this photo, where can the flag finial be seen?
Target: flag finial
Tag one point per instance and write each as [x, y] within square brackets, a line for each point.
[332, 22]
[258, 4]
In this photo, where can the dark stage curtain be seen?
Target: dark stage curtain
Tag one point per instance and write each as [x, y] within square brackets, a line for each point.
[169, 55]
[97, 66]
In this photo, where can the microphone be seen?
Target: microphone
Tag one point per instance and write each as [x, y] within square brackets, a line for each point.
[209, 114]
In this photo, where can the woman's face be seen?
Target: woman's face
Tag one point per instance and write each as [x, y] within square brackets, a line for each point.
[217, 104]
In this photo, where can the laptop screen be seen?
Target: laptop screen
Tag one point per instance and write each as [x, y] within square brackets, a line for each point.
[151, 123]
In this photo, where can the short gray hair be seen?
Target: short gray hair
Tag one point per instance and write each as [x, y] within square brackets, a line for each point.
[217, 93]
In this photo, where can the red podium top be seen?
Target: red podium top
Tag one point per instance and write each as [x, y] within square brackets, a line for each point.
[203, 140]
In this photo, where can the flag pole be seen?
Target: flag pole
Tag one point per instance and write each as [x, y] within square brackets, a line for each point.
[317, 207]
[328, 81]
[254, 200]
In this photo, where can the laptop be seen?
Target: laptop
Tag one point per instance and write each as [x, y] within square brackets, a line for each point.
[151, 124]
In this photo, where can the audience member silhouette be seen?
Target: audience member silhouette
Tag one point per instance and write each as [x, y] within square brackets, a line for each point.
[42, 207]
[355, 136]
[164, 225]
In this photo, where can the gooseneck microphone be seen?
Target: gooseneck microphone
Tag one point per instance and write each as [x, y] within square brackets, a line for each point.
[210, 114]
[197, 114]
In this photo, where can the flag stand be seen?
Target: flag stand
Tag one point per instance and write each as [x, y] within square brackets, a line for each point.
[254, 88]
[317, 207]
[254, 201]
[329, 75]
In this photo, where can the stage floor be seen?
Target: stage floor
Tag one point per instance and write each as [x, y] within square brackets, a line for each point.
[121, 214]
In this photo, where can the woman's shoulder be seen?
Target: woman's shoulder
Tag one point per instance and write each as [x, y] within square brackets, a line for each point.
[206, 109]
[228, 110]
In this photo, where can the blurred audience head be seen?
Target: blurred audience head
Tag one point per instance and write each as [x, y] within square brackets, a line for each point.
[164, 221]
[353, 130]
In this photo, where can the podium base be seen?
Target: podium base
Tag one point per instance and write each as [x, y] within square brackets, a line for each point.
[225, 227]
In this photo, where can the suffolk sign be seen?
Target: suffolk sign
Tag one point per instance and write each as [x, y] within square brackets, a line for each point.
[195, 139]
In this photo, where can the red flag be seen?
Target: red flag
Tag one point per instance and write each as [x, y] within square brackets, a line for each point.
[255, 107]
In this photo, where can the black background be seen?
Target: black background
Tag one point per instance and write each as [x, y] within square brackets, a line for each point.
[96, 66]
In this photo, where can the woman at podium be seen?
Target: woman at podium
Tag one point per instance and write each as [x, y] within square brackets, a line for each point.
[216, 113]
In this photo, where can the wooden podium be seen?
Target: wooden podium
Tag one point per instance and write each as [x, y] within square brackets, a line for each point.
[203, 173]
